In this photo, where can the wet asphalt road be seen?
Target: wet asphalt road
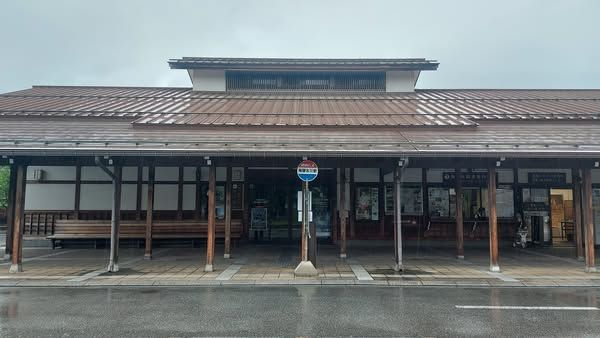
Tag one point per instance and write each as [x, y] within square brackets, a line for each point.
[294, 311]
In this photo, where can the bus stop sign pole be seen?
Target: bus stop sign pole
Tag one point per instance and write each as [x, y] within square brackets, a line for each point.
[307, 171]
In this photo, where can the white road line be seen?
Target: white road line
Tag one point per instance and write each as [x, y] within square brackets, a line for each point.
[507, 307]
[42, 256]
[229, 272]
[360, 272]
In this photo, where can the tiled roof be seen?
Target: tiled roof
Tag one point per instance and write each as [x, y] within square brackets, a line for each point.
[303, 63]
[182, 106]
[107, 136]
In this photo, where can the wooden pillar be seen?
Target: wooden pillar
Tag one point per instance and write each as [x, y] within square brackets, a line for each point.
[10, 211]
[113, 263]
[19, 220]
[425, 194]
[77, 208]
[381, 204]
[149, 213]
[398, 265]
[588, 219]
[460, 239]
[198, 207]
[577, 224]
[228, 192]
[493, 222]
[138, 193]
[245, 205]
[343, 213]
[180, 194]
[352, 209]
[210, 242]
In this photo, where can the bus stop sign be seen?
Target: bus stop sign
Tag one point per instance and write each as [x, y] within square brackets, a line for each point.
[307, 170]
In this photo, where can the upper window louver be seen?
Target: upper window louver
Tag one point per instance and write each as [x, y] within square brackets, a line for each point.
[306, 81]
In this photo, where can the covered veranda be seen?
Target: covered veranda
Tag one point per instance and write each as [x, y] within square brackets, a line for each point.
[217, 253]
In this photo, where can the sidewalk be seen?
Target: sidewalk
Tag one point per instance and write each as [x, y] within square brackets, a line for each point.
[254, 264]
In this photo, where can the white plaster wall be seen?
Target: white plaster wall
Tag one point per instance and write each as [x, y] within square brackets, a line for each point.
[401, 81]
[189, 197]
[50, 197]
[595, 175]
[99, 196]
[189, 174]
[208, 80]
[129, 174]
[505, 176]
[410, 175]
[58, 173]
[94, 174]
[524, 173]
[166, 174]
[366, 174]
[165, 197]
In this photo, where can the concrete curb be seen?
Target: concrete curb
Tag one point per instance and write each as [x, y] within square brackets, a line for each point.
[291, 282]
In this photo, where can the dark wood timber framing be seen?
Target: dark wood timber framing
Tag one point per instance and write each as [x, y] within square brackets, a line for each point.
[343, 212]
[493, 221]
[10, 210]
[460, 239]
[77, 207]
[588, 218]
[425, 198]
[381, 205]
[246, 204]
[398, 266]
[577, 217]
[210, 242]
[198, 204]
[138, 192]
[19, 220]
[149, 213]
[228, 191]
[180, 194]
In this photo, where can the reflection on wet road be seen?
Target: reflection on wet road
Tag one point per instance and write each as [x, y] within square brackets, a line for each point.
[302, 310]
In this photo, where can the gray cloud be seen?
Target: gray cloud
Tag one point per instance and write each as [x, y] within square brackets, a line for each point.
[480, 44]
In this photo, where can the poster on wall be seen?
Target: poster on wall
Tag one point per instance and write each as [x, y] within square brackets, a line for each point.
[367, 204]
[596, 203]
[412, 200]
[439, 202]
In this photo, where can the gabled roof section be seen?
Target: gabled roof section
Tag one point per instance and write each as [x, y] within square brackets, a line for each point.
[304, 64]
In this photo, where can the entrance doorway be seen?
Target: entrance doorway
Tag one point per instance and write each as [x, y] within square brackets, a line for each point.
[275, 192]
[548, 214]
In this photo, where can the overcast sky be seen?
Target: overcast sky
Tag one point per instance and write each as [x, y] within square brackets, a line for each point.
[479, 44]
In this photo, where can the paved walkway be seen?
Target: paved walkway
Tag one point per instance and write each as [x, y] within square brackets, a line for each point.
[255, 264]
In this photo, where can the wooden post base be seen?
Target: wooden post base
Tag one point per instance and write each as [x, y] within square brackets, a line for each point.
[494, 268]
[226, 256]
[148, 256]
[208, 268]
[15, 268]
[591, 269]
[343, 256]
[112, 267]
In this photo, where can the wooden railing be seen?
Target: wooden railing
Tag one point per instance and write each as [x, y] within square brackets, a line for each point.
[40, 223]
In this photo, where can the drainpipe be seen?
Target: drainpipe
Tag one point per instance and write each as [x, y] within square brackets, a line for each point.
[113, 265]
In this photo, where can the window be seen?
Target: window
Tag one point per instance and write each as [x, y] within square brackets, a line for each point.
[305, 81]
[412, 200]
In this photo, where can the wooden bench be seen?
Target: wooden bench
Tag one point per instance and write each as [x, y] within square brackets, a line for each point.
[100, 229]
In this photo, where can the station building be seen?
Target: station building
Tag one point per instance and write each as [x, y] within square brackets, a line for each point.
[217, 161]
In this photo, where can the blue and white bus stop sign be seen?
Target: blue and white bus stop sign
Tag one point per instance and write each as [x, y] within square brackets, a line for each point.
[307, 170]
